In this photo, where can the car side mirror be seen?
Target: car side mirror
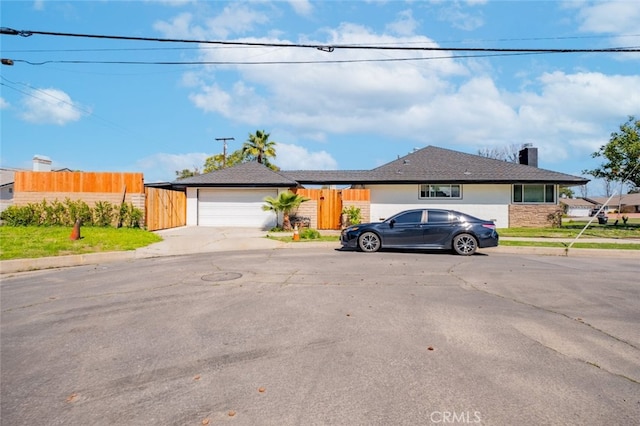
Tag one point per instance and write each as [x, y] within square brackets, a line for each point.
[391, 223]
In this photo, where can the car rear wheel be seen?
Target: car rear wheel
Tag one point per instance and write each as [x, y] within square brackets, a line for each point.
[369, 242]
[465, 244]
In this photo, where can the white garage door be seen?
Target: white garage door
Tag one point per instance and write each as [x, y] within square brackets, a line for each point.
[235, 207]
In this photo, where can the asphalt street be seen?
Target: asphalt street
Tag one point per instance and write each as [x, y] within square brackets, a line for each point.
[286, 336]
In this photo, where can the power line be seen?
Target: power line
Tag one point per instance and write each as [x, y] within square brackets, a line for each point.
[337, 61]
[324, 48]
[138, 49]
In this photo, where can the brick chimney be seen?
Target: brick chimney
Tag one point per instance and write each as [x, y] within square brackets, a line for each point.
[41, 163]
[528, 155]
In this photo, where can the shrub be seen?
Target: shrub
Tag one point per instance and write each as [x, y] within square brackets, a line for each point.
[54, 213]
[103, 213]
[77, 210]
[130, 217]
[66, 214]
[309, 234]
[353, 213]
[17, 216]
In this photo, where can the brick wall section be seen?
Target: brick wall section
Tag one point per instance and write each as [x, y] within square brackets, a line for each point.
[365, 209]
[532, 215]
[309, 209]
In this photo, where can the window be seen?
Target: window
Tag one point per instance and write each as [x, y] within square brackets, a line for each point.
[534, 194]
[438, 216]
[440, 191]
[410, 217]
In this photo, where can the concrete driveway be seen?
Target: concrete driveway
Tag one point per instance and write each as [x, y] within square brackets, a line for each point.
[321, 336]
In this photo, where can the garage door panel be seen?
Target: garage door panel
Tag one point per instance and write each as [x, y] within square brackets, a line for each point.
[235, 208]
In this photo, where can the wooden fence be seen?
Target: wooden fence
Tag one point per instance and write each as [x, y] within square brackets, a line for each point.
[165, 208]
[329, 203]
[105, 182]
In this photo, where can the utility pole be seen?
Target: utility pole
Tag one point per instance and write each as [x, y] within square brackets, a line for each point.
[224, 152]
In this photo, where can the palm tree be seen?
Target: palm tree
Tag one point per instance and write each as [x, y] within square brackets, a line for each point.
[285, 203]
[259, 147]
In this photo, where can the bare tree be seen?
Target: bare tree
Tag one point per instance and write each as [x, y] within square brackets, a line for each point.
[509, 153]
[583, 191]
[608, 184]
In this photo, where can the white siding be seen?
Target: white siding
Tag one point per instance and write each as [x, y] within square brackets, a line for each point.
[483, 201]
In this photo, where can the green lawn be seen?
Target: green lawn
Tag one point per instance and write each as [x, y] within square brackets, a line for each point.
[572, 229]
[41, 241]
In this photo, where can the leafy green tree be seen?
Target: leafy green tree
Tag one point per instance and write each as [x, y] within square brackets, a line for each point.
[217, 162]
[566, 191]
[622, 156]
[258, 147]
[285, 203]
[185, 173]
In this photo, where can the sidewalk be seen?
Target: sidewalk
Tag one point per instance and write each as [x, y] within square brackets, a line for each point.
[194, 240]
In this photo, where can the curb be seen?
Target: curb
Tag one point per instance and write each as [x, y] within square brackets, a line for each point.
[27, 265]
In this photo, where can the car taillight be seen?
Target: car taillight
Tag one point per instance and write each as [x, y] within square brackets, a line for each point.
[489, 225]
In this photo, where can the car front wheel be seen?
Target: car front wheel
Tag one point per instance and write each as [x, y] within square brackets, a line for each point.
[369, 242]
[465, 244]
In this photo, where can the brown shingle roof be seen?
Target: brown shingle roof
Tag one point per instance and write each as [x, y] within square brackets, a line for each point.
[433, 164]
[430, 164]
[245, 174]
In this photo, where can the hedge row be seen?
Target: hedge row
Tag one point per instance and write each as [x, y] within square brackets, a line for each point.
[57, 213]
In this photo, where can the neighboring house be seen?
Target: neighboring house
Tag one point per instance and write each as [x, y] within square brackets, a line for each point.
[625, 203]
[511, 194]
[578, 207]
[7, 179]
[6, 187]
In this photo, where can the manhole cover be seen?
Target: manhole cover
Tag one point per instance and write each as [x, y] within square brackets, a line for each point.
[221, 276]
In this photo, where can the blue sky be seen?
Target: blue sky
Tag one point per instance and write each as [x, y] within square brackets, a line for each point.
[354, 114]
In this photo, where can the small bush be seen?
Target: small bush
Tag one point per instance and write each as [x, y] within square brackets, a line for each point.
[103, 214]
[18, 216]
[354, 215]
[130, 217]
[309, 234]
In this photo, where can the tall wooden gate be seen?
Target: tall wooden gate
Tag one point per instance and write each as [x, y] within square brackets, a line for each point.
[165, 208]
[329, 203]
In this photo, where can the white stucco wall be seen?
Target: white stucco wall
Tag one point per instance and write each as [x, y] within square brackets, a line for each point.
[483, 201]
[192, 206]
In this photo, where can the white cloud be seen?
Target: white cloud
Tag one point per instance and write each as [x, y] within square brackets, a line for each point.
[235, 18]
[453, 13]
[301, 7]
[174, 3]
[442, 101]
[404, 25]
[50, 106]
[162, 167]
[294, 157]
[4, 104]
[181, 27]
[613, 17]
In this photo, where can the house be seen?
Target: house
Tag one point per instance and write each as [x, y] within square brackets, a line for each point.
[7, 179]
[578, 207]
[623, 203]
[6, 187]
[511, 194]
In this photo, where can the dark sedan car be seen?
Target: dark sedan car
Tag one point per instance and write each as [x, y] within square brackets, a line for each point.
[431, 229]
